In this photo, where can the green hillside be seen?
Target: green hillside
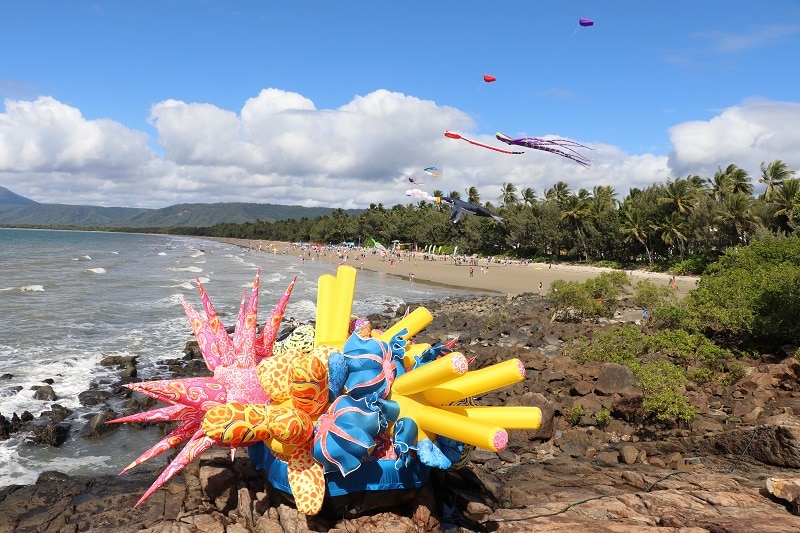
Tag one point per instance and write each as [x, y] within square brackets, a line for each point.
[16, 210]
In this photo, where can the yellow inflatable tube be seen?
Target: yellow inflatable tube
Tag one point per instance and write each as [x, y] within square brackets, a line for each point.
[432, 421]
[334, 305]
[516, 417]
[439, 371]
[415, 322]
[476, 382]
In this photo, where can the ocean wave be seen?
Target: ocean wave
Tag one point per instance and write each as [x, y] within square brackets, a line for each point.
[162, 253]
[98, 270]
[185, 269]
[32, 288]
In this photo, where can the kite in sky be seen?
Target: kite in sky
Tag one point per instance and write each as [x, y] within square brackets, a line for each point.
[562, 147]
[459, 206]
[488, 78]
[433, 171]
[413, 180]
[585, 22]
[454, 135]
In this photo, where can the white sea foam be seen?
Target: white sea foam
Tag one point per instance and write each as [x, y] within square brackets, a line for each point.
[98, 270]
[185, 285]
[162, 253]
[32, 288]
[186, 269]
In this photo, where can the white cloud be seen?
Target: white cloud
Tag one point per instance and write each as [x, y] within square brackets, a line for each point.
[747, 135]
[279, 148]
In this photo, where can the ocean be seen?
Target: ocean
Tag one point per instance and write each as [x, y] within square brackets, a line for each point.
[68, 299]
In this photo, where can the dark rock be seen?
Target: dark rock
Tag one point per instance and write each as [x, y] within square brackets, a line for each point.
[91, 398]
[44, 393]
[120, 361]
[615, 379]
[97, 427]
[47, 432]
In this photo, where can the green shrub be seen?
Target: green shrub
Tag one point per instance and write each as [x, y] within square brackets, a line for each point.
[496, 320]
[664, 385]
[676, 344]
[648, 295]
[574, 415]
[602, 417]
[735, 372]
[694, 265]
[594, 297]
[751, 295]
[701, 375]
[623, 345]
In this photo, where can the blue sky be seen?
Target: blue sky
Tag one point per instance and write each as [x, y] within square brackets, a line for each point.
[152, 103]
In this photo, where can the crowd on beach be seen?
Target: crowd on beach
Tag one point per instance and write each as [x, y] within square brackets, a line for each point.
[493, 274]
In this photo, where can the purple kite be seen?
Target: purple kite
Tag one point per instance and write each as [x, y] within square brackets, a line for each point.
[586, 22]
[453, 135]
[562, 147]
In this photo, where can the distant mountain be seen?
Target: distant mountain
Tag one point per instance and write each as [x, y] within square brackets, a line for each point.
[16, 210]
[10, 198]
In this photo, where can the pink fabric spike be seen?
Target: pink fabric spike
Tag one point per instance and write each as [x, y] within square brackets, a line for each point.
[244, 338]
[269, 333]
[224, 344]
[196, 446]
[206, 340]
[200, 393]
[162, 414]
[178, 436]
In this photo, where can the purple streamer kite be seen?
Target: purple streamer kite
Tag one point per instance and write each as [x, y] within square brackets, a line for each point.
[562, 147]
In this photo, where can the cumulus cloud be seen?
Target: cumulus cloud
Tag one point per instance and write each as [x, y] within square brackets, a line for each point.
[747, 135]
[279, 148]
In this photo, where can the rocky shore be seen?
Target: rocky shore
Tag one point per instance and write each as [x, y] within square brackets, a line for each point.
[735, 468]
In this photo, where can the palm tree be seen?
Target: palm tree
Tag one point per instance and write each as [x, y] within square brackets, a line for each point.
[729, 181]
[740, 180]
[773, 174]
[472, 195]
[737, 209]
[673, 231]
[577, 210]
[786, 199]
[637, 228]
[680, 194]
[605, 195]
[558, 193]
[721, 185]
[509, 194]
[528, 196]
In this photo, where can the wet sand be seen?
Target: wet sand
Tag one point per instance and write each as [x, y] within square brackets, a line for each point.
[511, 278]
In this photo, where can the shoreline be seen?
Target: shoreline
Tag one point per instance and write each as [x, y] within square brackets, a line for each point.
[510, 278]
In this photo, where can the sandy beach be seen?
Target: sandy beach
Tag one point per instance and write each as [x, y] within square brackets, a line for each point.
[504, 278]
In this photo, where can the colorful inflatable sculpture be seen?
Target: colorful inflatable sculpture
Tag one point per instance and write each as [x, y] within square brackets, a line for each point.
[333, 409]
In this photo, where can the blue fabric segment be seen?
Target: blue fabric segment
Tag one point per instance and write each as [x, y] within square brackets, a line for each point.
[372, 475]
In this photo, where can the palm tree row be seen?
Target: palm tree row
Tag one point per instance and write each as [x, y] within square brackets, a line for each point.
[665, 222]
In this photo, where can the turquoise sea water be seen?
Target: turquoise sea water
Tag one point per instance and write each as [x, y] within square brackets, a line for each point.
[69, 298]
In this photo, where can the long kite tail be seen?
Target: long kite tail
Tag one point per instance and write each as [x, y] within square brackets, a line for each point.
[563, 147]
[453, 135]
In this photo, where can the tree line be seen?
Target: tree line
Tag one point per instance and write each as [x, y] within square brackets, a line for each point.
[683, 223]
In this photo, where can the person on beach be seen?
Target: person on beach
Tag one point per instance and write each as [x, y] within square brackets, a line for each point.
[471, 271]
[541, 288]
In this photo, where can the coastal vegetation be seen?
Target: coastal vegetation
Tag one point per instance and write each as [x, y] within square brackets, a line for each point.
[680, 225]
[747, 302]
